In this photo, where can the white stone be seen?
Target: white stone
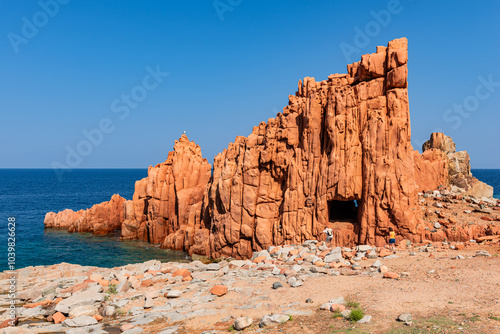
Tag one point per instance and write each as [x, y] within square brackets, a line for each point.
[404, 317]
[109, 311]
[273, 319]
[212, 267]
[80, 321]
[242, 323]
[363, 248]
[88, 297]
[365, 319]
[89, 310]
[174, 294]
[338, 300]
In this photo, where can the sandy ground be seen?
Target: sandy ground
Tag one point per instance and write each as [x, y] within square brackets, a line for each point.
[460, 296]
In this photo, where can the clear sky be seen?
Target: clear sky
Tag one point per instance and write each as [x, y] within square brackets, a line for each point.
[133, 75]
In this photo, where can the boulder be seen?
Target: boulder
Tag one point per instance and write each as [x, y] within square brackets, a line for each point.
[390, 274]
[404, 317]
[242, 323]
[87, 297]
[89, 310]
[273, 319]
[218, 290]
[58, 317]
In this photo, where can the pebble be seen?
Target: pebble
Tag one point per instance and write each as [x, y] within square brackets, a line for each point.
[81, 321]
[109, 311]
[482, 253]
[277, 285]
[346, 314]
[404, 317]
[325, 306]
[273, 319]
[338, 300]
[365, 319]
[174, 294]
[294, 282]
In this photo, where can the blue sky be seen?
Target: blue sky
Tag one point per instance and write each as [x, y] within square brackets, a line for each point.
[101, 67]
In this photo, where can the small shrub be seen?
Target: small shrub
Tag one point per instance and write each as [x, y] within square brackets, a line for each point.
[112, 289]
[351, 304]
[475, 318]
[336, 314]
[231, 328]
[356, 315]
[492, 317]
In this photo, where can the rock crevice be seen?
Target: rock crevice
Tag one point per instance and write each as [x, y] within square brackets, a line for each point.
[339, 156]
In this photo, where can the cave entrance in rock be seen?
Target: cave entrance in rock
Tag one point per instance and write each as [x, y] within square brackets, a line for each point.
[343, 211]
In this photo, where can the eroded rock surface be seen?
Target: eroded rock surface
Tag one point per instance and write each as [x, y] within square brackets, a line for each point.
[339, 156]
[342, 139]
[167, 205]
[100, 219]
[456, 166]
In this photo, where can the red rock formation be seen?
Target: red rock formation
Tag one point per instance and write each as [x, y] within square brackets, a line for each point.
[166, 207]
[338, 156]
[431, 169]
[342, 139]
[448, 167]
[100, 219]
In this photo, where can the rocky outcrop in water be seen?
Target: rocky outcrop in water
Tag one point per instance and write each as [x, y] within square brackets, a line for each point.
[100, 219]
[339, 156]
[456, 166]
[167, 204]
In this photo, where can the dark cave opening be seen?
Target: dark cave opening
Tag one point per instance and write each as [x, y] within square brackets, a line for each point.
[343, 211]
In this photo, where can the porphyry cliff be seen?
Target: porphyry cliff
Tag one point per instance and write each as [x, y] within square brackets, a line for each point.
[338, 156]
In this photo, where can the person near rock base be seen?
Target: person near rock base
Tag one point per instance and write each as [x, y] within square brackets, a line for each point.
[392, 239]
[329, 234]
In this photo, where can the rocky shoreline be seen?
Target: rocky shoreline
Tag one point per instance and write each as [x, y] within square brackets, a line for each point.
[154, 297]
[338, 157]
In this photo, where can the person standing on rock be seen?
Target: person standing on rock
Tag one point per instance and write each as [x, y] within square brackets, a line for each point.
[392, 239]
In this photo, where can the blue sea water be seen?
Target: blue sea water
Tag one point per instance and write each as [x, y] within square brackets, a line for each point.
[28, 194]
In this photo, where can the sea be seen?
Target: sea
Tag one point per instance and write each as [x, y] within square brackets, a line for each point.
[26, 195]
